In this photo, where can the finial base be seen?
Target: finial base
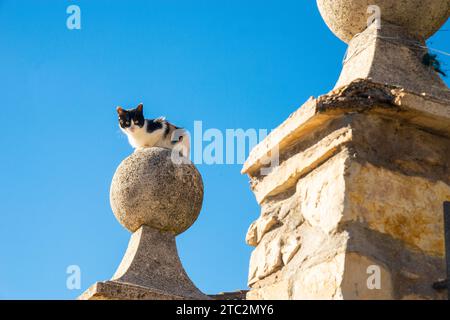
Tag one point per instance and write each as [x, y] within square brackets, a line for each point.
[391, 56]
[150, 269]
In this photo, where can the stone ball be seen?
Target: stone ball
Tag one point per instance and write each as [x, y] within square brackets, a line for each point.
[421, 18]
[150, 189]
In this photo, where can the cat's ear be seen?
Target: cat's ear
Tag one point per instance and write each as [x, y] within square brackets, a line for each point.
[140, 108]
[120, 111]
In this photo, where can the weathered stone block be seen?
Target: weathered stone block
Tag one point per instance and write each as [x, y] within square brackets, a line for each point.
[365, 279]
[320, 194]
[321, 281]
[266, 258]
[359, 188]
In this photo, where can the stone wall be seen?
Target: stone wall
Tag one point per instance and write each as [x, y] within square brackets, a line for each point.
[360, 185]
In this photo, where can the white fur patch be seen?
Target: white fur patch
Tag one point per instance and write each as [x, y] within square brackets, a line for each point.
[140, 138]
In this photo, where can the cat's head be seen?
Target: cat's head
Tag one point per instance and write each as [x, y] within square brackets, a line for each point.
[130, 120]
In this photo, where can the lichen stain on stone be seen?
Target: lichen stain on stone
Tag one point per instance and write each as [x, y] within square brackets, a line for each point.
[407, 208]
[413, 229]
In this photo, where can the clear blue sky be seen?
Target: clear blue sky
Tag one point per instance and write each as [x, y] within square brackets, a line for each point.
[229, 63]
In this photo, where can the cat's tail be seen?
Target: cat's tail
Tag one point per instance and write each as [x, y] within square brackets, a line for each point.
[185, 142]
[181, 141]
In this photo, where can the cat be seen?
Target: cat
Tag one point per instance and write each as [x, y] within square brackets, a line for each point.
[146, 133]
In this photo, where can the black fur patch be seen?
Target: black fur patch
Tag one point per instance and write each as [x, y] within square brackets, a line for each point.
[153, 125]
[167, 131]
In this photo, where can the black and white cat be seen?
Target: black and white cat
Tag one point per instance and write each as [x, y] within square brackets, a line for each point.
[144, 133]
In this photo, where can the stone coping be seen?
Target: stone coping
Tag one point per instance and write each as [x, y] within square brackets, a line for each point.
[361, 96]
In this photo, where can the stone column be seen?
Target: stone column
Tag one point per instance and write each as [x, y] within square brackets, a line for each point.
[354, 208]
[155, 199]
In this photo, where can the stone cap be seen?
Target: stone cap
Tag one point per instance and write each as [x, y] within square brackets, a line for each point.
[359, 96]
[421, 18]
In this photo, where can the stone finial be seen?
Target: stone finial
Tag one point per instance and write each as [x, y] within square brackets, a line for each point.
[150, 189]
[392, 52]
[421, 18]
[156, 199]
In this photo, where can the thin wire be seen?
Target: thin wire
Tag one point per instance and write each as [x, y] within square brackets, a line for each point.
[440, 51]
[415, 43]
[344, 61]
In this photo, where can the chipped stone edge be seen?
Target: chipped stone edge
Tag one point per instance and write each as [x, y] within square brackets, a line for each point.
[289, 172]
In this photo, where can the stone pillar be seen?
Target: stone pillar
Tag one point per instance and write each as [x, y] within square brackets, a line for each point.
[155, 199]
[354, 208]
